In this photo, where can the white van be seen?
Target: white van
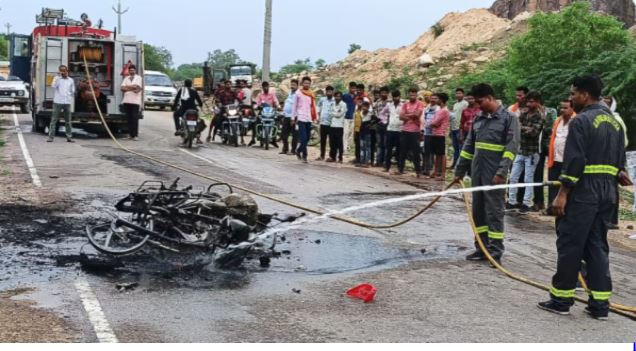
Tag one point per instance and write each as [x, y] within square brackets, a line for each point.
[159, 90]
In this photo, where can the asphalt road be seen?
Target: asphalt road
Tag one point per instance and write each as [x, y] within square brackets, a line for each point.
[426, 291]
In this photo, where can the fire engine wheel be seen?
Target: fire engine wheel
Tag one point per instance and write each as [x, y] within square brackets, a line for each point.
[25, 108]
[110, 239]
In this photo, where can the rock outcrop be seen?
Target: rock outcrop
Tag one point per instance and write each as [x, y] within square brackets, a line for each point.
[624, 10]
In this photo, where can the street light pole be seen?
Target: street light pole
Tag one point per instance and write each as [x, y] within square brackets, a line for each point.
[267, 41]
[119, 12]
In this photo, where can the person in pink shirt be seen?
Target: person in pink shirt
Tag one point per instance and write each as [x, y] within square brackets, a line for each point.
[267, 97]
[440, 126]
[411, 132]
[303, 114]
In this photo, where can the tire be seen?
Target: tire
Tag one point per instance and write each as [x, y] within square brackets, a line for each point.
[162, 108]
[235, 136]
[25, 108]
[266, 139]
[91, 235]
[189, 141]
[39, 124]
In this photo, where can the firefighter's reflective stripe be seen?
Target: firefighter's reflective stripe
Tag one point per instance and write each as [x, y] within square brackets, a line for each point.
[509, 155]
[467, 155]
[601, 295]
[564, 294]
[490, 147]
[495, 235]
[570, 178]
[601, 169]
[483, 229]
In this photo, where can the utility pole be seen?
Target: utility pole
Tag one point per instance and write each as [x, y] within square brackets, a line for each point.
[8, 25]
[267, 41]
[119, 12]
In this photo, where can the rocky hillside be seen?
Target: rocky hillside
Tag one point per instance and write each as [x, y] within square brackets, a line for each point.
[625, 10]
[457, 43]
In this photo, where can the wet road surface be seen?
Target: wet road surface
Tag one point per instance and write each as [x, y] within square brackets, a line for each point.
[427, 292]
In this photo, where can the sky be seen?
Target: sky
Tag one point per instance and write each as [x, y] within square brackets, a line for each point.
[315, 29]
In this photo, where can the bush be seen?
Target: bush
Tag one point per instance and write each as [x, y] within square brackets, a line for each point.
[437, 29]
[402, 83]
[353, 48]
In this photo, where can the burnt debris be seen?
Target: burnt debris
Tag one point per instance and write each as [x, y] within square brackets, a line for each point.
[215, 221]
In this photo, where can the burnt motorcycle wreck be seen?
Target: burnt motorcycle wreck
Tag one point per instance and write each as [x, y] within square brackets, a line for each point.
[175, 220]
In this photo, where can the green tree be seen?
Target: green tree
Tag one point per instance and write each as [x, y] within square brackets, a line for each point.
[561, 46]
[157, 58]
[565, 40]
[188, 71]
[354, 47]
[297, 67]
[403, 83]
[320, 63]
[221, 59]
[4, 47]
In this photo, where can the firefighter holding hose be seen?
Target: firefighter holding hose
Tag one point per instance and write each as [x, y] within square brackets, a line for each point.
[593, 167]
[489, 150]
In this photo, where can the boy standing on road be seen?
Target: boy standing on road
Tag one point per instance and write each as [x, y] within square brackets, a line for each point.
[64, 88]
[365, 134]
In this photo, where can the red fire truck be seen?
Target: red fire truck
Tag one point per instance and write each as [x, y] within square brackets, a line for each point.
[57, 41]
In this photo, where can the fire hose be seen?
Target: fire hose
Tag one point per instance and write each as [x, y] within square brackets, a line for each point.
[627, 311]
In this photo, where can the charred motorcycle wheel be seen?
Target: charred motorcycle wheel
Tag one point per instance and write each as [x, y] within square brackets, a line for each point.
[116, 240]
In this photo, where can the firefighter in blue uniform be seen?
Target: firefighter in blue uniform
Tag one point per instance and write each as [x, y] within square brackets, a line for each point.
[593, 167]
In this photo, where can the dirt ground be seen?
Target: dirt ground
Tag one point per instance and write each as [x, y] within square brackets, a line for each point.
[23, 323]
[20, 320]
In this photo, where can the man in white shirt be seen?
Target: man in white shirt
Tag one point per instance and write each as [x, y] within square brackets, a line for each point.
[64, 88]
[132, 86]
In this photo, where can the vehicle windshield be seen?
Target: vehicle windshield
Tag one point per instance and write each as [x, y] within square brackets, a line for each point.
[241, 71]
[157, 81]
[14, 79]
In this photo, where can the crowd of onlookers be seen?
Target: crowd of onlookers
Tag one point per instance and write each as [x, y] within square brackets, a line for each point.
[383, 128]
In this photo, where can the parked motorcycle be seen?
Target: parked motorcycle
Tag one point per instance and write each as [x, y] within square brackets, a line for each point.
[190, 126]
[232, 127]
[266, 130]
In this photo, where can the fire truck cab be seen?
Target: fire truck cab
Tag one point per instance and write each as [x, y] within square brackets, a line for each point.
[36, 58]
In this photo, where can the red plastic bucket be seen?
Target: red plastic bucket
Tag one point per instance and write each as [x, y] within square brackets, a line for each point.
[365, 292]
